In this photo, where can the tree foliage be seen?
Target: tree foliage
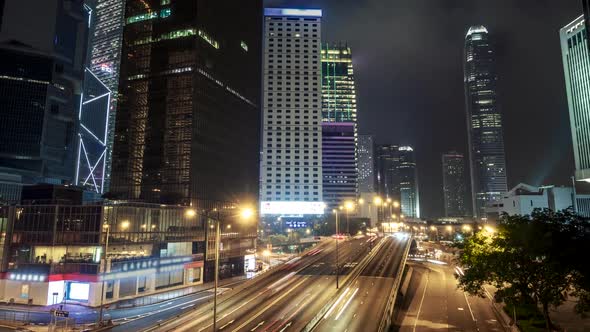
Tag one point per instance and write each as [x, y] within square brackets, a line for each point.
[536, 259]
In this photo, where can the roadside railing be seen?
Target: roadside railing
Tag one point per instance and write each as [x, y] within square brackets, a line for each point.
[387, 317]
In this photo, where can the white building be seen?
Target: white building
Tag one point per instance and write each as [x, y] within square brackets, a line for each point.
[291, 160]
[524, 199]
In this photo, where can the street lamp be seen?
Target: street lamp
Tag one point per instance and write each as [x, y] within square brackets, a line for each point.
[245, 214]
[125, 224]
[335, 211]
[106, 227]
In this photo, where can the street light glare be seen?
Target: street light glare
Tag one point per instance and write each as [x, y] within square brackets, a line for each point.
[190, 213]
[125, 224]
[349, 205]
[377, 200]
[247, 213]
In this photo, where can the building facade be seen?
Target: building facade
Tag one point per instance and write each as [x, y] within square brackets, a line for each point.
[339, 163]
[41, 71]
[524, 199]
[388, 171]
[187, 130]
[454, 184]
[339, 138]
[291, 165]
[576, 61]
[366, 164]
[484, 121]
[105, 58]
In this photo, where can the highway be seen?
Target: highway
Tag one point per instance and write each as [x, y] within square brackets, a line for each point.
[287, 298]
[361, 305]
[433, 302]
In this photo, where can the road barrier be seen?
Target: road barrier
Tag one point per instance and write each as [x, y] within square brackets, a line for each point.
[387, 318]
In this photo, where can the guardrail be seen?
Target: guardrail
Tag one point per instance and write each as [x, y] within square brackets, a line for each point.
[355, 272]
[387, 317]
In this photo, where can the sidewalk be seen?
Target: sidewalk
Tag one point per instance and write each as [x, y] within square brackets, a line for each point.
[125, 303]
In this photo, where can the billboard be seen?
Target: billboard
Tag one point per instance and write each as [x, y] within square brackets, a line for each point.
[292, 208]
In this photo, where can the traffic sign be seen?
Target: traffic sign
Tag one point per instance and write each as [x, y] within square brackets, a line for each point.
[61, 313]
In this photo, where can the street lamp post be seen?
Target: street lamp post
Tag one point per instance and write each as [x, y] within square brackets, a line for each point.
[106, 247]
[337, 237]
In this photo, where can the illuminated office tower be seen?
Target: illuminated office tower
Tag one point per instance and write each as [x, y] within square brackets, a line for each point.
[339, 158]
[105, 56]
[291, 166]
[387, 167]
[454, 185]
[484, 121]
[576, 62]
[366, 164]
[188, 118]
[338, 90]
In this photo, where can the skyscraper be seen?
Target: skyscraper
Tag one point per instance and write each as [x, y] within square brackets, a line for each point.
[291, 167]
[339, 158]
[454, 185]
[408, 182]
[338, 90]
[576, 64]
[339, 163]
[105, 58]
[41, 76]
[366, 163]
[188, 119]
[484, 121]
[388, 171]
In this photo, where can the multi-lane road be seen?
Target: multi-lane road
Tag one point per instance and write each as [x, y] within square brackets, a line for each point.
[361, 305]
[285, 299]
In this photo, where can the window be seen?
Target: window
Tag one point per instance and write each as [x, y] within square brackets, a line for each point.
[243, 45]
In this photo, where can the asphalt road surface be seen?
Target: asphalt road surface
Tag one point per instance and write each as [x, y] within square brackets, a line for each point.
[361, 305]
[286, 299]
[433, 303]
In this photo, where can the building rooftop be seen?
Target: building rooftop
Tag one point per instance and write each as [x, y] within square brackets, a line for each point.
[292, 12]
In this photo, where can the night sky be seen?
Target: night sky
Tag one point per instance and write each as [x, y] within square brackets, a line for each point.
[407, 56]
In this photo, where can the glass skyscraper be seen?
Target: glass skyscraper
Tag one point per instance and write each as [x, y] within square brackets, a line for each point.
[338, 90]
[397, 177]
[188, 118]
[454, 185]
[339, 152]
[484, 121]
[576, 67]
[105, 56]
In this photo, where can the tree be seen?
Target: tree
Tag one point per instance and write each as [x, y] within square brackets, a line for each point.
[530, 259]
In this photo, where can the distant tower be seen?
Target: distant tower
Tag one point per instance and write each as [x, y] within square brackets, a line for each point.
[366, 163]
[454, 185]
[484, 121]
[576, 64]
[408, 182]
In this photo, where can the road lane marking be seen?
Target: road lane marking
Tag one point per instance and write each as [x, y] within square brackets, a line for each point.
[226, 325]
[421, 301]
[469, 307]
[257, 326]
[270, 305]
[187, 306]
[346, 304]
[286, 326]
[336, 303]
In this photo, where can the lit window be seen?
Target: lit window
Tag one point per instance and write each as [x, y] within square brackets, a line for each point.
[244, 45]
[142, 17]
[165, 12]
[208, 39]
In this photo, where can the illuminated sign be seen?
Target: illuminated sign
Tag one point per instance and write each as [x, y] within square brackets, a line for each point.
[79, 291]
[291, 208]
[26, 277]
[296, 224]
[292, 12]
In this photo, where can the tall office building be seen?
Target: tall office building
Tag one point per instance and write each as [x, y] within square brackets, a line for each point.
[108, 20]
[188, 119]
[291, 166]
[586, 9]
[339, 158]
[576, 64]
[366, 164]
[454, 185]
[484, 121]
[408, 183]
[388, 171]
[338, 90]
[41, 76]
[339, 163]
